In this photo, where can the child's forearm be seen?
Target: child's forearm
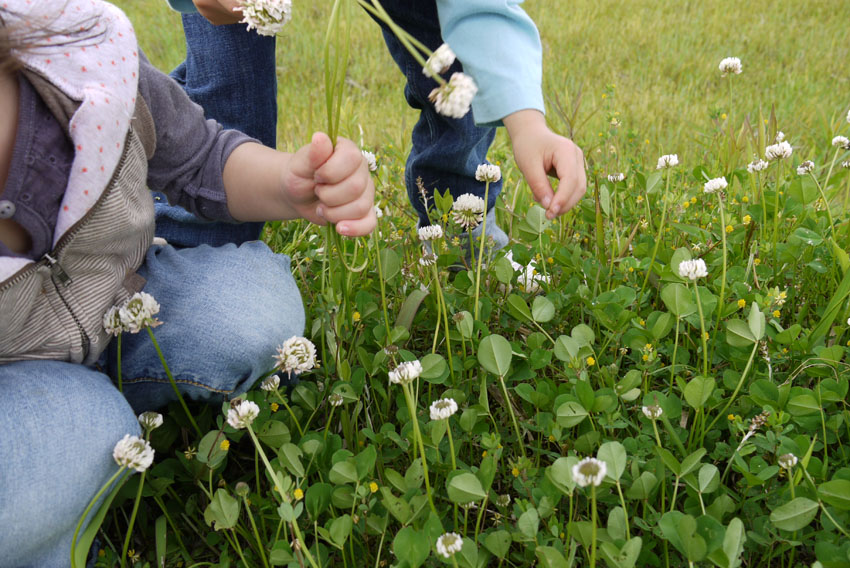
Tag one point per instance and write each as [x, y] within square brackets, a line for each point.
[253, 181]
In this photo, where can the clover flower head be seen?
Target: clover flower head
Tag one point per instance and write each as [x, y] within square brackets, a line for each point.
[805, 168]
[242, 413]
[296, 355]
[370, 160]
[653, 411]
[133, 452]
[614, 178]
[428, 259]
[442, 409]
[270, 383]
[268, 17]
[780, 137]
[150, 420]
[335, 399]
[449, 544]
[490, 173]
[841, 142]
[757, 165]
[667, 161]
[455, 97]
[468, 211]
[503, 500]
[439, 61]
[406, 372]
[779, 151]
[589, 471]
[730, 65]
[715, 185]
[787, 461]
[693, 269]
[112, 323]
[430, 233]
[846, 164]
[137, 313]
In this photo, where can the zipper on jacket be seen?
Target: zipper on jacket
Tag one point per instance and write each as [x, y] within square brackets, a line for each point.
[84, 337]
[56, 270]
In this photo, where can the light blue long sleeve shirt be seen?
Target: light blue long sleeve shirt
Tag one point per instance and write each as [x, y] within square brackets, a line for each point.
[498, 45]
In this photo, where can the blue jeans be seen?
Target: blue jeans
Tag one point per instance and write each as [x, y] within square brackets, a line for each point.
[224, 311]
[231, 74]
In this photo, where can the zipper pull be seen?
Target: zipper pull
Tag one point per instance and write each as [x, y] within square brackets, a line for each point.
[57, 270]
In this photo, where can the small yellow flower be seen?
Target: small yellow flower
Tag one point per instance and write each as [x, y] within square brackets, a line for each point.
[705, 334]
[355, 317]
[731, 417]
[551, 438]
[742, 303]
[562, 535]
[645, 357]
[225, 445]
[783, 294]
[693, 200]
[648, 346]
[747, 219]
[515, 472]
[686, 204]
[642, 322]
[604, 95]
[723, 116]
[776, 313]
[484, 454]
[756, 261]
[745, 199]
[631, 269]
[590, 361]
[373, 487]
[729, 228]
[640, 198]
[298, 494]
[274, 406]
[550, 260]
[785, 350]
[647, 141]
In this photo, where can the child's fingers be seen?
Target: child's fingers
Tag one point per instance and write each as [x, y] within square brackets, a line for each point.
[539, 184]
[311, 157]
[569, 167]
[346, 159]
[358, 227]
[358, 209]
[346, 191]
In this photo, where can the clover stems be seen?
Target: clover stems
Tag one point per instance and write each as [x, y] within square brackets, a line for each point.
[85, 514]
[418, 442]
[481, 246]
[260, 546]
[702, 332]
[443, 309]
[735, 392]
[672, 364]
[593, 525]
[383, 286]
[825, 201]
[173, 382]
[289, 409]
[118, 355]
[723, 271]
[658, 239]
[776, 218]
[513, 416]
[132, 519]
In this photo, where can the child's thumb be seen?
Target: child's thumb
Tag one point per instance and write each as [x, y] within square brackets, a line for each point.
[321, 150]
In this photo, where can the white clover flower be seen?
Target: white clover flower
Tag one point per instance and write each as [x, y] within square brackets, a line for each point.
[442, 409]
[757, 165]
[488, 173]
[296, 355]
[840, 142]
[439, 61]
[780, 137]
[693, 269]
[112, 323]
[428, 259]
[715, 185]
[730, 65]
[589, 471]
[780, 150]
[614, 178]
[468, 211]
[406, 372]
[846, 164]
[242, 413]
[335, 399]
[266, 16]
[667, 161]
[150, 420]
[378, 212]
[449, 544]
[138, 312]
[455, 97]
[430, 233]
[270, 383]
[133, 452]
[848, 116]
[787, 461]
[370, 160]
[653, 411]
[805, 168]
[503, 500]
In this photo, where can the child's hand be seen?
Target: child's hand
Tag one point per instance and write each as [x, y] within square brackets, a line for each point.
[219, 12]
[540, 152]
[327, 184]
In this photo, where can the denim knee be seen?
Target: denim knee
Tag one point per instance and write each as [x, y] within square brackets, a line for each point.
[59, 424]
[224, 312]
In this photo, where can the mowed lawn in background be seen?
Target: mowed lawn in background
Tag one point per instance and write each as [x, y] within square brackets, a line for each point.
[654, 63]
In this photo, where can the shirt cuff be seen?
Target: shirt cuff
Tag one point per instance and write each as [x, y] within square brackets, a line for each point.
[183, 6]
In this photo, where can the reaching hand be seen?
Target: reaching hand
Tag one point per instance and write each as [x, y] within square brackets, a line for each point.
[327, 184]
[219, 12]
[540, 152]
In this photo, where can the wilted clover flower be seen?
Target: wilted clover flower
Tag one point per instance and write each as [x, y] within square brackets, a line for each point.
[242, 413]
[428, 259]
[370, 160]
[406, 372]
[133, 452]
[266, 16]
[589, 471]
[455, 97]
[449, 544]
[667, 161]
[488, 173]
[806, 167]
[443, 408]
[138, 312]
[730, 65]
[715, 185]
[780, 150]
[270, 383]
[653, 411]
[787, 461]
[614, 178]
[439, 61]
[296, 355]
[112, 323]
[757, 165]
[841, 142]
[335, 399]
[150, 420]
[468, 211]
[430, 233]
[693, 269]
